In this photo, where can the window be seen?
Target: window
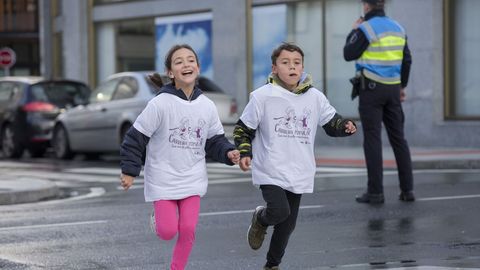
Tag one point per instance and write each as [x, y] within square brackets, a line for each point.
[6, 91]
[127, 88]
[104, 91]
[320, 28]
[125, 46]
[462, 63]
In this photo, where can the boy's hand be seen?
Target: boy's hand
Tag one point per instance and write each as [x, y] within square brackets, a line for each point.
[234, 156]
[245, 163]
[126, 181]
[350, 128]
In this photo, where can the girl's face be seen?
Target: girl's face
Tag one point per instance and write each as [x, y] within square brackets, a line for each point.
[289, 68]
[184, 68]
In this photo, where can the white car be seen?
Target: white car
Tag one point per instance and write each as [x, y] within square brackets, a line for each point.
[99, 126]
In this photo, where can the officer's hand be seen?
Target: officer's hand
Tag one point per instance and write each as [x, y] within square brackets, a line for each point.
[358, 22]
[403, 95]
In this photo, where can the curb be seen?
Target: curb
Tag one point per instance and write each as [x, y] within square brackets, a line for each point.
[416, 164]
[16, 191]
[447, 164]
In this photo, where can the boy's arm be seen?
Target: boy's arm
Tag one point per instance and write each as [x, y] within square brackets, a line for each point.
[243, 137]
[217, 147]
[336, 126]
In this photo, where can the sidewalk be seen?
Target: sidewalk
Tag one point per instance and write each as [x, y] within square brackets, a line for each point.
[14, 191]
[422, 158]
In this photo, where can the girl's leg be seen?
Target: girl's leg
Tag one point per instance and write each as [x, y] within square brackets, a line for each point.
[188, 209]
[166, 219]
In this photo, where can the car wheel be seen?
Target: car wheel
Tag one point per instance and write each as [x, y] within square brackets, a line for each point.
[61, 145]
[11, 147]
[37, 151]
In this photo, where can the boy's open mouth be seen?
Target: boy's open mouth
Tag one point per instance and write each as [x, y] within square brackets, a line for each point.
[188, 72]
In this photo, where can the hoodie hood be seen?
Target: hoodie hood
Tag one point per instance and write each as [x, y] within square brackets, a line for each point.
[170, 89]
[304, 84]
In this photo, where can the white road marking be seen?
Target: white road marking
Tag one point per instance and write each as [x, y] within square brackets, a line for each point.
[249, 211]
[134, 186]
[369, 266]
[94, 192]
[40, 226]
[450, 197]
[220, 213]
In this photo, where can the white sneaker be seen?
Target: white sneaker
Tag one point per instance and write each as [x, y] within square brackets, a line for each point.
[153, 225]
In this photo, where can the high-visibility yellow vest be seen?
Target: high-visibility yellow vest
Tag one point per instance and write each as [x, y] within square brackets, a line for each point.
[382, 60]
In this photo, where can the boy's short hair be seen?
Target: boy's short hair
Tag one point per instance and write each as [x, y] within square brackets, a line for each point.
[285, 46]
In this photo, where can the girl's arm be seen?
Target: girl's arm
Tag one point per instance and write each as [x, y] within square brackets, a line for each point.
[217, 147]
[132, 152]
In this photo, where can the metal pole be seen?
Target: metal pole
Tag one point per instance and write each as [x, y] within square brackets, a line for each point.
[249, 45]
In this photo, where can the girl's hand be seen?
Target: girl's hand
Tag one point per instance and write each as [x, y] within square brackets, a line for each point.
[245, 163]
[126, 181]
[234, 156]
[350, 127]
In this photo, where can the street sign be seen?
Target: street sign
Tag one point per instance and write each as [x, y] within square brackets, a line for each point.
[7, 58]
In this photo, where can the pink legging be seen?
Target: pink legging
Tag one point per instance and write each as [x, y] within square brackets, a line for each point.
[168, 223]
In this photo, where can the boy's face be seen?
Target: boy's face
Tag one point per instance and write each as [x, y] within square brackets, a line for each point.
[289, 68]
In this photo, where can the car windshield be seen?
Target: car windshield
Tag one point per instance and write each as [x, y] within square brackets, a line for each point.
[207, 85]
[61, 94]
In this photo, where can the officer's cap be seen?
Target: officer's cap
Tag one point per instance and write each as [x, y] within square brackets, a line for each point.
[374, 2]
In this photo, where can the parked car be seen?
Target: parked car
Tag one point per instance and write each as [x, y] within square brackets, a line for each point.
[99, 126]
[28, 109]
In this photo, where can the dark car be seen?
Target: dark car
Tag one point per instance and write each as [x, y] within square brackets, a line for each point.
[28, 109]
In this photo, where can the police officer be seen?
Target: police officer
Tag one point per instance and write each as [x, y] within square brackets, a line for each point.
[379, 46]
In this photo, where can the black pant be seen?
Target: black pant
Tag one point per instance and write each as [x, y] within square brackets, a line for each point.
[381, 103]
[281, 212]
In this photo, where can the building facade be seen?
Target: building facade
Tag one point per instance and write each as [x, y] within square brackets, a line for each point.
[89, 40]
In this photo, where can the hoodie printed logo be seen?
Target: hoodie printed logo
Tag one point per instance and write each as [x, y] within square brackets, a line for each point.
[186, 135]
[291, 125]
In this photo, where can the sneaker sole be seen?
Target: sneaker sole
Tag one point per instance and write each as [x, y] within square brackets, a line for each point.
[249, 227]
[153, 224]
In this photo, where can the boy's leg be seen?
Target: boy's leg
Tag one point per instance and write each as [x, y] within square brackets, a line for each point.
[282, 212]
[188, 210]
[166, 220]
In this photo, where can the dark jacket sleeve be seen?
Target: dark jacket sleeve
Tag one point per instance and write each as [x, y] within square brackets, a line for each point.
[243, 137]
[336, 126]
[356, 44]
[217, 148]
[132, 152]
[406, 63]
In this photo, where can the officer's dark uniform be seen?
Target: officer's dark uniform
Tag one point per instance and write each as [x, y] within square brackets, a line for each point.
[382, 57]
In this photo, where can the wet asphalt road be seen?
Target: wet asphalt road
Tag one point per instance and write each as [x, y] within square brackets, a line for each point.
[110, 230]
